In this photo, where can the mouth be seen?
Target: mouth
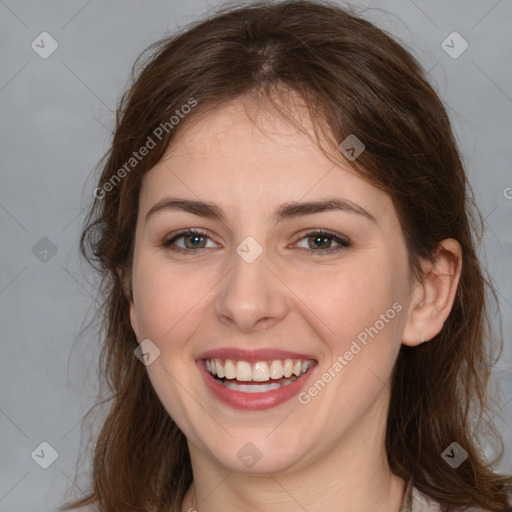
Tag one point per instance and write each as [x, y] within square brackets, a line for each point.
[257, 377]
[256, 384]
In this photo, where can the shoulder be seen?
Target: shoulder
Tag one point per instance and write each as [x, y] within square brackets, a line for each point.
[423, 503]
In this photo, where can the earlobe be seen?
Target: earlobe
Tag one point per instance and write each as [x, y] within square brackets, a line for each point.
[433, 295]
[134, 320]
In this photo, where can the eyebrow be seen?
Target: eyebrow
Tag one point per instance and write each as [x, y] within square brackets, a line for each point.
[285, 211]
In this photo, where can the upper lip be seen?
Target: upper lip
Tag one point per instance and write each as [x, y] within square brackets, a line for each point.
[262, 354]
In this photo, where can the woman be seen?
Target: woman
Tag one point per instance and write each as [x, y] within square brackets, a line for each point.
[295, 316]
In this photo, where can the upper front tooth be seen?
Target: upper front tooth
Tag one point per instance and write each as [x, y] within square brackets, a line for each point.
[276, 369]
[243, 371]
[261, 372]
[230, 369]
[219, 368]
[288, 368]
[296, 368]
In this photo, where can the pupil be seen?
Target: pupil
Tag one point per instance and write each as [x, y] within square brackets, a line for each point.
[194, 239]
[318, 240]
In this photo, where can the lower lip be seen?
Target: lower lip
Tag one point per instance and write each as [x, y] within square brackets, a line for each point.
[253, 401]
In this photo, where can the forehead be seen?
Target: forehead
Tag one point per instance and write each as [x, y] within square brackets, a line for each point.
[247, 133]
[246, 154]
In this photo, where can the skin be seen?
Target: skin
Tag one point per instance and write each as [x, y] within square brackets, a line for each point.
[327, 454]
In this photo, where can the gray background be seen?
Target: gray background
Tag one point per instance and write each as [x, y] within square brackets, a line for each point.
[57, 114]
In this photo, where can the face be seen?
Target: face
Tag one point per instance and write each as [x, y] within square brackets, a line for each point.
[264, 286]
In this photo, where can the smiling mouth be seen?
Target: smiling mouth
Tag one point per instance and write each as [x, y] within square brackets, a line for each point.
[257, 377]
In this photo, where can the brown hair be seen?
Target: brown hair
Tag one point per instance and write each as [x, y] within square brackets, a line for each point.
[357, 80]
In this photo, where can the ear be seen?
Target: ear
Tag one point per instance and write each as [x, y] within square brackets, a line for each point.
[134, 321]
[433, 295]
[127, 289]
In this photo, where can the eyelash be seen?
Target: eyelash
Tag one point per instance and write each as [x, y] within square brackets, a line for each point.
[343, 242]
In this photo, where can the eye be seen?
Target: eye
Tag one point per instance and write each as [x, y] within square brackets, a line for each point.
[193, 240]
[319, 242]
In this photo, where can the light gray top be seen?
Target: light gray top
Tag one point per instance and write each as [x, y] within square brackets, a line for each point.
[416, 501]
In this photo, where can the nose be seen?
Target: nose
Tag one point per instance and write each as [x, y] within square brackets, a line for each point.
[251, 297]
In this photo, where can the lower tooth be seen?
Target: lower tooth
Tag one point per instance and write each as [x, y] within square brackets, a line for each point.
[255, 388]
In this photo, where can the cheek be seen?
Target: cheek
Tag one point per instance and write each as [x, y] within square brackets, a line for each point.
[361, 314]
[349, 300]
[168, 298]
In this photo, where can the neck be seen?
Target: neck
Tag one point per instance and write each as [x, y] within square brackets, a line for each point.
[275, 494]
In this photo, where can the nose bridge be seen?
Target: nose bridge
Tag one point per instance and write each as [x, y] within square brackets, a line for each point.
[251, 297]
